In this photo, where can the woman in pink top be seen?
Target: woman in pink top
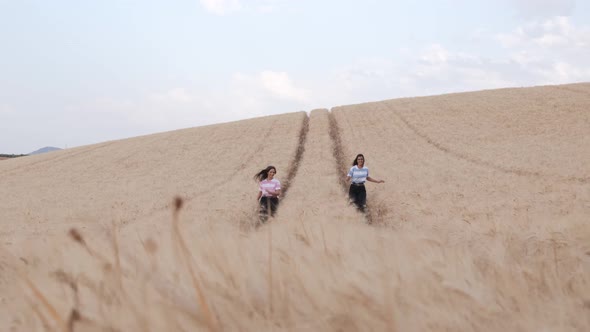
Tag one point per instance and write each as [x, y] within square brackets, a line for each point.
[269, 190]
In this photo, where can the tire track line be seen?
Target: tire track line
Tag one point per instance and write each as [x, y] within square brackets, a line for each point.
[291, 172]
[217, 185]
[337, 150]
[294, 166]
[341, 164]
[487, 164]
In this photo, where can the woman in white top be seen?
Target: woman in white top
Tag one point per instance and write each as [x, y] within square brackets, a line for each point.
[358, 175]
[269, 191]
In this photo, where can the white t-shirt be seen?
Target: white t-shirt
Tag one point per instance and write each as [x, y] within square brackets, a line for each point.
[358, 175]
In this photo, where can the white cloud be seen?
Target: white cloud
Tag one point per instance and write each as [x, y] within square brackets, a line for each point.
[176, 95]
[561, 72]
[244, 96]
[511, 39]
[525, 58]
[435, 69]
[280, 85]
[269, 85]
[539, 56]
[441, 70]
[551, 33]
[435, 55]
[544, 8]
[551, 51]
[269, 6]
[221, 7]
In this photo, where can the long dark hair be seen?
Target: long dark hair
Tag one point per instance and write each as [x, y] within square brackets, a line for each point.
[355, 162]
[263, 174]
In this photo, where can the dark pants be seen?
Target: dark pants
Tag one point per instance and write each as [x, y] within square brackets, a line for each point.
[358, 196]
[268, 204]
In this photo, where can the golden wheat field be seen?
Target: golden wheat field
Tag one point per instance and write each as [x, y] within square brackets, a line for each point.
[482, 224]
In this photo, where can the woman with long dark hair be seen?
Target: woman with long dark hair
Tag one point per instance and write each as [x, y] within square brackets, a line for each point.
[358, 175]
[269, 191]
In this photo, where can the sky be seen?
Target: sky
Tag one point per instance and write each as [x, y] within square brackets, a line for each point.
[74, 73]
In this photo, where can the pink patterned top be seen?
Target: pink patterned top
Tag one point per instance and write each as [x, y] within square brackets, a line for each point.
[269, 185]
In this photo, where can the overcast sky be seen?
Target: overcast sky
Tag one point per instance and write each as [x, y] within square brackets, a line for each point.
[80, 72]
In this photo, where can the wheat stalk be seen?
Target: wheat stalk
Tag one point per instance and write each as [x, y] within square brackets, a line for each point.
[211, 321]
[270, 270]
[50, 308]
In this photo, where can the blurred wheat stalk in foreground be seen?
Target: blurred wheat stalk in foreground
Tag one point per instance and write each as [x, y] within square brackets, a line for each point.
[323, 276]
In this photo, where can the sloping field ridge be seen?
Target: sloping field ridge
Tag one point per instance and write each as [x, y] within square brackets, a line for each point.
[481, 224]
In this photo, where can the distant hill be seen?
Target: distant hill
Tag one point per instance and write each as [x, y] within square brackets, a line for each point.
[45, 150]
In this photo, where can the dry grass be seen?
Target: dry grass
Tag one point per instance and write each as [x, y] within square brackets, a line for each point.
[481, 225]
[340, 276]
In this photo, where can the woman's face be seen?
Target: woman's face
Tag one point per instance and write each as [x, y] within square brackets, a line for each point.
[360, 160]
[271, 173]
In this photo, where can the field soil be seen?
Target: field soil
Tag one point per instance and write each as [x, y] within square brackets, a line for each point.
[481, 224]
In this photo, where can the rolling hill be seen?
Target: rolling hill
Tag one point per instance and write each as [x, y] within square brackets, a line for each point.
[480, 225]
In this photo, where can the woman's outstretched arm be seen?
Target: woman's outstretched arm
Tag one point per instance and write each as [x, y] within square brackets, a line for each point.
[374, 180]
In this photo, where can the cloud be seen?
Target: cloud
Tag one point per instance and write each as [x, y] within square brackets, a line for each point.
[270, 6]
[541, 51]
[269, 85]
[544, 8]
[435, 55]
[525, 58]
[243, 96]
[441, 70]
[551, 51]
[437, 69]
[551, 33]
[561, 72]
[176, 95]
[221, 7]
[281, 86]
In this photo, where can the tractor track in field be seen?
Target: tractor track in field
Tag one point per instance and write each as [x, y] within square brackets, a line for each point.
[341, 161]
[291, 171]
[503, 169]
[294, 165]
[336, 147]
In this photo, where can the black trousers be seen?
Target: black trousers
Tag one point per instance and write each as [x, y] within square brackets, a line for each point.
[266, 204]
[358, 195]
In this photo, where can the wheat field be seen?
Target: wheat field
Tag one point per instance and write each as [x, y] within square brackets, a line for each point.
[482, 223]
